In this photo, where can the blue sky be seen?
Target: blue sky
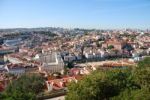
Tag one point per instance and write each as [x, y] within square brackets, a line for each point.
[75, 13]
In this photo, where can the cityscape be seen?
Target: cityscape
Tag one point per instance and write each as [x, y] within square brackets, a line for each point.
[75, 62]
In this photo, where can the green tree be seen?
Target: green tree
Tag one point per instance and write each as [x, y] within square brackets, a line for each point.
[142, 77]
[70, 65]
[138, 94]
[97, 86]
[25, 88]
[141, 80]
[145, 62]
[127, 84]
[110, 47]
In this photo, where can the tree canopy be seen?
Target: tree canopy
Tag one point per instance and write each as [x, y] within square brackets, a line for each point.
[25, 88]
[110, 47]
[128, 84]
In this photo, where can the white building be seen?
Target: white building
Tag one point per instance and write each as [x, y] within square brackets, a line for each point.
[12, 59]
[51, 62]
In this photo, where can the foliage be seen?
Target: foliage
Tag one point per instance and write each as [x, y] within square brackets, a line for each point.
[99, 85]
[25, 88]
[145, 62]
[110, 47]
[139, 94]
[93, 90]
[70, 65]
[128, 84]
[142, 77]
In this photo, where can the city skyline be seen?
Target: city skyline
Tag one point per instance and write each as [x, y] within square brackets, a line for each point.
[99, 14]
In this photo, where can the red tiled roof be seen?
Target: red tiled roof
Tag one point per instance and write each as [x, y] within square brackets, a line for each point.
[14, 66]
[1, 87]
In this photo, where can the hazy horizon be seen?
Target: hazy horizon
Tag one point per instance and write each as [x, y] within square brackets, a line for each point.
[75, 28]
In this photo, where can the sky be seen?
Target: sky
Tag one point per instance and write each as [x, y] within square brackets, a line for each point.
[99, 14]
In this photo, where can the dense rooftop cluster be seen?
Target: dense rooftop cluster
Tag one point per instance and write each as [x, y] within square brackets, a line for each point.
[68, 53]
